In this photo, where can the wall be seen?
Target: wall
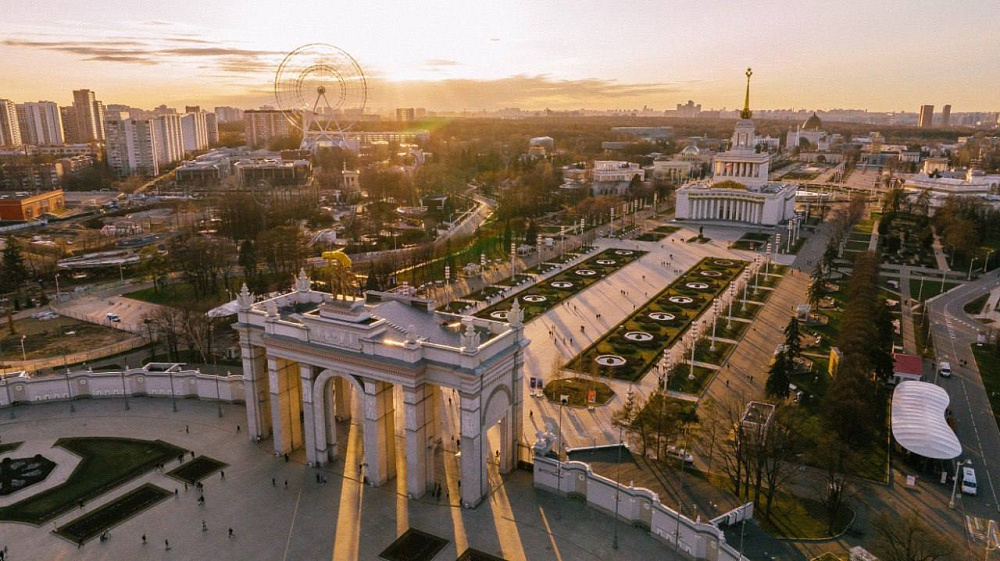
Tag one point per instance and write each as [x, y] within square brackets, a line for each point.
[638, 506]
[137, 382]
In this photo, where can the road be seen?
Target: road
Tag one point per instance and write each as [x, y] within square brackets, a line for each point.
[954, 334]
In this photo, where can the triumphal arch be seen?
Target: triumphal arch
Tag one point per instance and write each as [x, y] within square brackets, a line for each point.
[311, 359]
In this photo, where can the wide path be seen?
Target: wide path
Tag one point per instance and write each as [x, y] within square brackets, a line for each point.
[342, 520]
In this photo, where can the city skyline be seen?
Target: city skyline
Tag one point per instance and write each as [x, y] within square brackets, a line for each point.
[529, 56]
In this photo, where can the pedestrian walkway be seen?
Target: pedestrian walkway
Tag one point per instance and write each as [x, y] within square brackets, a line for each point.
[906, 316]
[939, 256]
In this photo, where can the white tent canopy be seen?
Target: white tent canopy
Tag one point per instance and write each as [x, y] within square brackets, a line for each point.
[918, 421]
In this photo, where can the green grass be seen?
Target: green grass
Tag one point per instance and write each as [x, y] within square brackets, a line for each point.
[666, 229]
[105, 463]
[976, 306]
[553, 296]
[988, 362]
[9, 446]
[651, 237]
[197, 469]
[800, 518]
[641, 356]
[682, 384]
[92, 524]
[576, 389]
[178, 295]
[931, 288]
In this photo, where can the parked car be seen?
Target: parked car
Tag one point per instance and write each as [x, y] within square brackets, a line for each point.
[112, 317]
[680, 454]
[968, 481]
[944, 369]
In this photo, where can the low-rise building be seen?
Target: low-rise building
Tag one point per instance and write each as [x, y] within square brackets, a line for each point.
[272, 171]
[30, 206]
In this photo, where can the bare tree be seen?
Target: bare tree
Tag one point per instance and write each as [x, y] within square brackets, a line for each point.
[905, 537]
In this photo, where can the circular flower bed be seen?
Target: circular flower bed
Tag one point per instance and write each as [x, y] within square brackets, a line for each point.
[534, 298]
[562, 284]
[586, 272]
[723, 263]
[680, 299]
[713, 274]
[605, 261]
[623, 252]
[638, 336]
[499, 314]
[610, 360]
[662, 316]
[697, 285]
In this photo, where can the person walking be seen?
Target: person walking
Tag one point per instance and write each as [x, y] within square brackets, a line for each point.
[204, 527]
[231, 535]
[144, 539]
[166, 545]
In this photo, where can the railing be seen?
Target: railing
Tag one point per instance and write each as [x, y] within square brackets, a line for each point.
[34, 365]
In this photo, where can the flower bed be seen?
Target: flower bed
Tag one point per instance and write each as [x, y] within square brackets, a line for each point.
[666, 317]
[546, 294]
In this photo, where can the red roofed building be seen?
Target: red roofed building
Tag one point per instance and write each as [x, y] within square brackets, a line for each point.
[907, 367]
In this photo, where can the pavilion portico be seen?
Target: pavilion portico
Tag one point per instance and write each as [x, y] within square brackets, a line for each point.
[310, 359]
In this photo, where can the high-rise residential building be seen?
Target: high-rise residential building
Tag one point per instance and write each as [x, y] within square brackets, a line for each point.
[71, 126]
[87, 124]
[926, 118]
[130, 145]
[10, 128]
[212, 126]
[406, 114]
[195, 131]
[169, 138]
[946, 116]
[228, 114]
[99, 112]
[192, 109]
[262, 125]
[41, 123]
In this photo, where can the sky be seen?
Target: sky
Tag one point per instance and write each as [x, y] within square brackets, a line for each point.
[873, 54]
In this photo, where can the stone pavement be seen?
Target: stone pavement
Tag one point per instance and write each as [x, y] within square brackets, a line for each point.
[65, 461]
[342, 520]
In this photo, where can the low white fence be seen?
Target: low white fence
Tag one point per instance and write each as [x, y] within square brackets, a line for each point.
[173, 382]
[639, 507]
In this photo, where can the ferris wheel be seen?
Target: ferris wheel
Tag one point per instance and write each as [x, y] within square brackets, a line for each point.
[321, 90]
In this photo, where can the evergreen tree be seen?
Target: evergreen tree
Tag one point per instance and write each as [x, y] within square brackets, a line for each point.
[13, 274]
[531, 234]
[777, 379]
[248, 259]
[793, 346]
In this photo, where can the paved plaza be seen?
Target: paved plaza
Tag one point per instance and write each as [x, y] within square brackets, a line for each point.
[340, 520]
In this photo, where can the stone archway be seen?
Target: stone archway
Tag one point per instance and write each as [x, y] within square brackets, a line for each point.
[499, 413]
[330, 401]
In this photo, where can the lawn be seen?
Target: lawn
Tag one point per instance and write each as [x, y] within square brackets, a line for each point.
[751, 241]
[988, 362]
[92, 524]
[666, 229]
[57, 337]
[197, 469]
[543, 296]
[9, 446]
[801, 518]
[576, 389]
[105, 463]
[684, 384]
[637, 342]
[976, 306]
[178, 295]
[931, 288]
[651, 237]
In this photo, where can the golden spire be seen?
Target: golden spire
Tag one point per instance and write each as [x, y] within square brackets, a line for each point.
[746, 113]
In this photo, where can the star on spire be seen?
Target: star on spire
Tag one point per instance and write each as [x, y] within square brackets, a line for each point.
[746, 113]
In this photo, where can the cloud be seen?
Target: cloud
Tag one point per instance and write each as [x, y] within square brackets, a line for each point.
[438, 62]
[123, 58]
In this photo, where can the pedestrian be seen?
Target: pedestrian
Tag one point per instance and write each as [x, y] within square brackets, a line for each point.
[166, 545]
[286, 484]
[237, 429]
[273, 483]
[204, 527]
[317, 478]
[223, 474]
[531, 414]
[187, 429]
[79, 544]
[192, 454]
[144, 539]
[286, 457]
[175, 492]
[230, 532]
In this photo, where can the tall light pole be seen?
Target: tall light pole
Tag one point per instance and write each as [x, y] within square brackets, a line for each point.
[618, 487]
[986, 264]
[218, 394]
[124, 390]
[69, 388]
[746, 281]
[694, 346]
[173, 396]
[715, 315]
[732, 296]
[562, 402]
[24, 356]
[969, 276]
[58, 293]
[6, 385]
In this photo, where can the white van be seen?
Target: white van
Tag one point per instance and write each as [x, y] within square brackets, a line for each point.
[968, 481]
[944, 369]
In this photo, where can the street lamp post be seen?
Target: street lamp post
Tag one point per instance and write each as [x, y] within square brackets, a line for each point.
[6, 385]
[218, 394]
[732, 296]
[986, 263]
[954, 486]
[58, 293]
[69, 388]
[24, 356]
[694, 346]
[969, 276]
[756, 275]
[618, 487]
[173, 396]
[746, 281]
[124, 390]
[715, 315]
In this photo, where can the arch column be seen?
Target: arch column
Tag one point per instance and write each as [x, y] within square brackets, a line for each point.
[307, 375]
[286, 402]
[420, 407]
[255, 389]
[379, 432]
[474, 478]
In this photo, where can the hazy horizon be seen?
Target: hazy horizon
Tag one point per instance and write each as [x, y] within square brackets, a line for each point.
[453, 57]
